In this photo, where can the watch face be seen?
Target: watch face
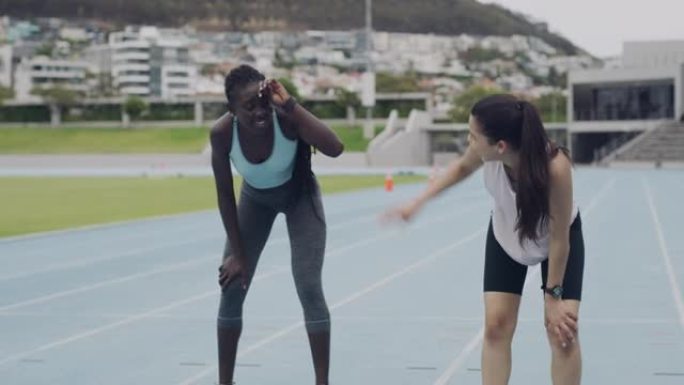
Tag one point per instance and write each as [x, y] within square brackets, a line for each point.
[557, 291]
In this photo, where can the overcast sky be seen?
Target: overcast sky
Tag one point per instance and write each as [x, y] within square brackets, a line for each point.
[601, 26]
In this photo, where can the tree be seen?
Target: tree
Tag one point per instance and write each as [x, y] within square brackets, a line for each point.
[280, 62]
[349, 100]
[5, 93]
[105, 85]
[134, 106]
[464, 102]
[47, 49]
[208, 69]
[57, 95]
[289, 87]
[552, 107]
[385, 82]
[557, 79]
[57, 98]
[481, 55]
[100, 84]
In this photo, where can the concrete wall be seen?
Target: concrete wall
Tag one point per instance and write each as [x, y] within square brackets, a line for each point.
[442, 159]
[651, 54]
[614, 126]
[679, 93]
[622, 75]
[402, 146]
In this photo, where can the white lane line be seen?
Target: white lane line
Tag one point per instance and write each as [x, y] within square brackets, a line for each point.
[156, 311]
[349, 299]
[91, 261]
[114, 281]
[98, 226]
[350, 319]
[476, 340]
[472, 344]
[169, 268]
[101, 226]
[146, 250]
[675, 288]
[128, 320]
[104, 328]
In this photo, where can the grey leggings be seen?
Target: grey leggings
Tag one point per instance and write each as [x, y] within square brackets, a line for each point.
[256, 211]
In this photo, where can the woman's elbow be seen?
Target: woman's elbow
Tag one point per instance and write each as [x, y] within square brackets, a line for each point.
[561, 246]
[332, 150]
[337, 150]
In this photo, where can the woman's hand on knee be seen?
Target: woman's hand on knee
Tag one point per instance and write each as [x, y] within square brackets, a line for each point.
[560, 321]
[233, 268]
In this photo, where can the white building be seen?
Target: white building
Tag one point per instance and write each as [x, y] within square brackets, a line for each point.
[74, 34]
[515, 82]
[6, 65]
[177, 81]
[642, 94]
[564, 64]
[432, 63]
[341, 40]
[145, 62]
[131, 65]
[499, 43]
[464, 42]
[411, 43]
[263, 57]
[333, 40]
[539, 45]
[42, 72]
[100, 58]
[653, 54]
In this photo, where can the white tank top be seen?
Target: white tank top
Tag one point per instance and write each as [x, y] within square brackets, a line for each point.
[505, 215]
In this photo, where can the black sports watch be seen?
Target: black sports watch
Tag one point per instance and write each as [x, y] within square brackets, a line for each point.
[556, 292]
[289, 104]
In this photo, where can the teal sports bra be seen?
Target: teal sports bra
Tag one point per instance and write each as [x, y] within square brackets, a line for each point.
[274, 171]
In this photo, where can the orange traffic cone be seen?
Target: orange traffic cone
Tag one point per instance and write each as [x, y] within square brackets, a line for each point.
[389, 182]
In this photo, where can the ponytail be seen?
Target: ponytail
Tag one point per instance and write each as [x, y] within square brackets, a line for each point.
[505, 117]
[532, 198]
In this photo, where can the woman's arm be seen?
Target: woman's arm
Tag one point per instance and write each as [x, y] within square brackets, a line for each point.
[308, 127]
[457, 171]
[559, 319]
[560, 212]
[221, 139]
[314, 132]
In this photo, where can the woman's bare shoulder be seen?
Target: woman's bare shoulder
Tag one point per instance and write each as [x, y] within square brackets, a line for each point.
[560, 167]
[221, 132]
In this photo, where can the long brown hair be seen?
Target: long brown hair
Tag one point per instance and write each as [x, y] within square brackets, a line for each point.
[517, 122]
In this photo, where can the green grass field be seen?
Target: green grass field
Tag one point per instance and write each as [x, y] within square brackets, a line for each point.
[40, 204]
[101, 140]
[352, 137]
[69, 140]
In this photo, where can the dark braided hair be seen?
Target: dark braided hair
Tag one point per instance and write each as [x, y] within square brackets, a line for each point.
[303, 174]
[240, 77]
